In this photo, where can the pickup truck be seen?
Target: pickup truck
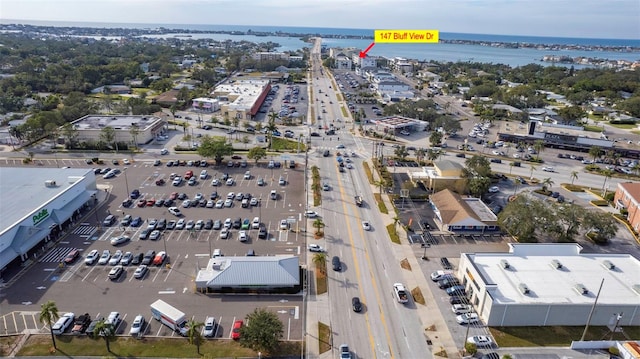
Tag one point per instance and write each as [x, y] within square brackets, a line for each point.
[400, 293]
[358, 201]
[81, 324]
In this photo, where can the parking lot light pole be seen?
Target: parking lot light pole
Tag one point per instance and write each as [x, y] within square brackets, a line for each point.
[126, 182]
[164, 242]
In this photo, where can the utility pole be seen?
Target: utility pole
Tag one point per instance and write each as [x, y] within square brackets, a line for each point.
[593, 308]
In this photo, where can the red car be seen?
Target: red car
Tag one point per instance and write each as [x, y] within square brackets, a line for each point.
[72, 256]
[173, 195]
[160, 182]
[151, 202]
[188, 174]
[235, 332]
[141, 203]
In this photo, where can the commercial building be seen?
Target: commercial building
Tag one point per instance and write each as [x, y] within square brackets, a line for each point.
[241, 99]
[89, 128]
[564, 136]
[205, 104]
[444, 174]
[270, 56]
[627, 198]
[552, 284]
[454, 213]
[38, 204]
[255, 273]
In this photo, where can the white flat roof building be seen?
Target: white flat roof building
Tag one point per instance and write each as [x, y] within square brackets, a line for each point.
[242, 99]
[551, 284]
[90, 127]
[37, 203]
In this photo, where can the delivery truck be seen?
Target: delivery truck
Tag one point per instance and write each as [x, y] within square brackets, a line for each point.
[169, 316]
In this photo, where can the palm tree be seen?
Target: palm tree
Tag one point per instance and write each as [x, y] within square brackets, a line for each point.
[548, 182]
[511, 165]
[193, 333]
[607, 174]
[106, 331]
[595, 152]
[380, 183]
[134, 131]
[318, 224]
[420, 153]
[320, 261]
[49, 314]
[574, 176]
[538, 145]
[533, 168]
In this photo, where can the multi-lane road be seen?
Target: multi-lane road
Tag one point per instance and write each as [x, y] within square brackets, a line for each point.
[385, 328]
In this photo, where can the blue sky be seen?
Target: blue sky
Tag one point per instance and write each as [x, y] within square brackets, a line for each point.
[563, 18]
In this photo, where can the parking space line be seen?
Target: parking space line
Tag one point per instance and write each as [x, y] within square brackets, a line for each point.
[215, 334]
[231, 331]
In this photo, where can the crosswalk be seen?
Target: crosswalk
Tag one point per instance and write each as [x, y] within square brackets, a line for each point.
[56, 255]
[85, 231]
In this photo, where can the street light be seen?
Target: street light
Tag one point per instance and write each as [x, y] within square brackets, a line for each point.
[424, 254]
[126, 182]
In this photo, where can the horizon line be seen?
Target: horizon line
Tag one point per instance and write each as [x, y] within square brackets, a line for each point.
[25, 22]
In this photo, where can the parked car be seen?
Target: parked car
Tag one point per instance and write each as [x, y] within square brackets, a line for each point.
[481, 341]
[137, 326]
[116, 272]
[92, 257]
[467, 318]
[104, 258]
[63, 323]
[209, 327]
[235, 330]
[72, 256]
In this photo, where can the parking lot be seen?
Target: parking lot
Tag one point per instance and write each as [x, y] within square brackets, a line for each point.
[82, 288]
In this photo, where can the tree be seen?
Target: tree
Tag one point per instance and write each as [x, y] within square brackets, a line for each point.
[70, 133]
[538, 145]
[574, 176]
[601, 224]
[401, 153]
[193, 333]
[134, 131]
[108, 135]
[271, 126]
[420, 153]
[595, 152]
[320, 261]
[262, 332]
[106, 331]
[215, 148]
[257, 153]
[435, 138]
[547, 183]
[533, 168]
[607, 174]
[49, 314]
[318, 224]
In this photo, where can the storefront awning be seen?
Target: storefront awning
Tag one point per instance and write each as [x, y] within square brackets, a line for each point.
[63, 214]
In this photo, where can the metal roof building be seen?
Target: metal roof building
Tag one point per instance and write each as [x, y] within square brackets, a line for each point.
[37, 203]
[260, 272]
[551, 284]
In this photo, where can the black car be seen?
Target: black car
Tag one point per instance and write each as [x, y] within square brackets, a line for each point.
[237, 223]
[92, 326]
[262, 232]
[496, 160]
[148, 257]
[445, 263]
[137, 259]
[168, 202]
[356, 304]
[335, 261]
[127, 203]
[214, 195]
[162, 224]
[457, 300]
[314, 134]
[208, 224]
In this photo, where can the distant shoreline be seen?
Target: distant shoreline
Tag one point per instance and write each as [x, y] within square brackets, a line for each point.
[185, 32]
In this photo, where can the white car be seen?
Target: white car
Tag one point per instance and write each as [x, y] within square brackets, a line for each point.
[230, 182]
[467, 318]
[186, 203]
[137, 326]
[115, 259]
[119, 240]
[181, 223]
[177, 181]
[441, 274]
[228, 203]
[255, 224]
[92, 257]
[209, 327]
[215, 182]
[366, 226]
[494, 189]
[242, 236]
[104, 258]
[231, 195]
[175, 211]
[140, 271]
[284, 225]
[227, 223]
[481, 341]
[548, 169]
[164, 151]
[247, 175]
[219, 203]
[224, 233]
[63, 323]
[461, 308]
[315, 248]
[203, 174]
[126, 162]
[210, 204]
[311, 214]
[190, 224]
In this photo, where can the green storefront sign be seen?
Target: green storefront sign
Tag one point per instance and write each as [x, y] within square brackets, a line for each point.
[40, 216]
